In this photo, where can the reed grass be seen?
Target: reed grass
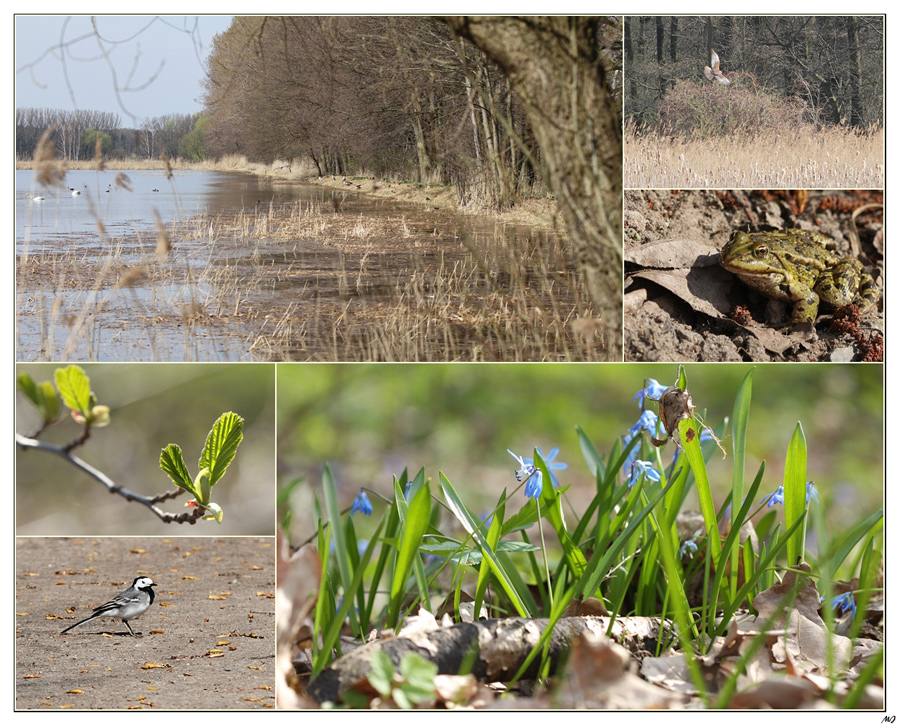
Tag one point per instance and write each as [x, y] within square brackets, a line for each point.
[407, 287]
[786, 158]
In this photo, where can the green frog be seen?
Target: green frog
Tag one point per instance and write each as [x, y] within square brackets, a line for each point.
[794, 265]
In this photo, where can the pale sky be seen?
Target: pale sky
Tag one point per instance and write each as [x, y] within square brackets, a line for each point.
[156, 62]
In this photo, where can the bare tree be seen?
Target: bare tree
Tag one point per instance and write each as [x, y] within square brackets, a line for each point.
[554, 67]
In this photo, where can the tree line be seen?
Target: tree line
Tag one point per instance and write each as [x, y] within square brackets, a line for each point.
[832, 67]
[403, 96]
[76, 134]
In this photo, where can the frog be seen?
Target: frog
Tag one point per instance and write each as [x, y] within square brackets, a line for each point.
[795, 265]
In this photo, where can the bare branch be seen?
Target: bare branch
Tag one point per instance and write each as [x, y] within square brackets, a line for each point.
[150, 502]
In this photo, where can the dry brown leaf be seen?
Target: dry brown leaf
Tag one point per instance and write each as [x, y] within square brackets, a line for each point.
[670, 672]
[297, 578]
[788, 692]
[598, 676]
[452, 691]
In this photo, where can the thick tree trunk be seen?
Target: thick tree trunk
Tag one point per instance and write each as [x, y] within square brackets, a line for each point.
[553, 65]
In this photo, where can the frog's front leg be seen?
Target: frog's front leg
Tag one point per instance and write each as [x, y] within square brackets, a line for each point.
[806, 303]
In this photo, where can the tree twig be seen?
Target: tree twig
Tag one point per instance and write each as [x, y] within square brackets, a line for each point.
[150, 502]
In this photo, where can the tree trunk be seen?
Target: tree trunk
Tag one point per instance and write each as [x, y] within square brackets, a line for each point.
[855, 69]
[553, 65]
[673, 41]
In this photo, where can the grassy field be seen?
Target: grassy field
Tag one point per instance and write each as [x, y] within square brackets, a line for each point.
[790, 158]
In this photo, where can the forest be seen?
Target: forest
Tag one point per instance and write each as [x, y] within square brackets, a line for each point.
[497, 107]
[403, 96]
[76, 133]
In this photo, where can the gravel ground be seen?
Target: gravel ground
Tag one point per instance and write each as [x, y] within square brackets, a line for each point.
[207, 642]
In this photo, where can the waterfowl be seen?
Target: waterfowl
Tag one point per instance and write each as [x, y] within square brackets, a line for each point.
[33, 198]
[76, 192]
[156, 190]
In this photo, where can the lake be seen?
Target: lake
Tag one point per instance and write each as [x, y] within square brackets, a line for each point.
[62, 216]
[273, 268]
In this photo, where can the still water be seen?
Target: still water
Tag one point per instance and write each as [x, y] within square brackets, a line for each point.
[131, 204]
[275, 269]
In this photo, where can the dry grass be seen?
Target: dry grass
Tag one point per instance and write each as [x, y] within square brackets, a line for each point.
[789, 158]
[306, 281]
[425, 294]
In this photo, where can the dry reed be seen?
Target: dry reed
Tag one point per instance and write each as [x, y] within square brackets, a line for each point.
[790, 158]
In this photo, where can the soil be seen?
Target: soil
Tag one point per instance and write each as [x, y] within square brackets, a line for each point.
[681, 305]
[207, 642]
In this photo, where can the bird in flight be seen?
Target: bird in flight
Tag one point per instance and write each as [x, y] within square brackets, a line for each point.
[714, 74]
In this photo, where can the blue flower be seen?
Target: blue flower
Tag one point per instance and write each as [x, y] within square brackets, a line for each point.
[843, 603]
[811, 492]
[689, 547]
[530, 475]
[643, 468]
[776, 497]
[647, 422]
[406, 490]
[362, 504]
[653, 390]
[632, 455]
[551, 465]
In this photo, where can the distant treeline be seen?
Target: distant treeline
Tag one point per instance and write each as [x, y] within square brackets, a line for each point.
[75, 135]
[399, 96]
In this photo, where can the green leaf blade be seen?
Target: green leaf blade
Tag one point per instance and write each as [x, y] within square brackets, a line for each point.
[221, 445]
[795, 492]
[474, 528]
[75, 388]
[414, 527]
[171, 461]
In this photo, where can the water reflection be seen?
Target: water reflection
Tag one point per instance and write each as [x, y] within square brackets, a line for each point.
[131, 205]
[264, 268]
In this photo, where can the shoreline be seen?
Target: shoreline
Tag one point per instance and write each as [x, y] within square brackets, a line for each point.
[540, 212]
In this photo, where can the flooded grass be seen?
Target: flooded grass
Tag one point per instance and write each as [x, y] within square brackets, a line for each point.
[343, 277]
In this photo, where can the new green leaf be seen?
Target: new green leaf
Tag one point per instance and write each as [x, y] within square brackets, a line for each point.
[75, 388]
[172, 462]
[221, 445]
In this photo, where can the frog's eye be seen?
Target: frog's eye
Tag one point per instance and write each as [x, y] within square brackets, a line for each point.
[761, 251]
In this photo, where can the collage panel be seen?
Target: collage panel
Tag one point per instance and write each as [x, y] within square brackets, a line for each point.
[754, 275]
[467, 505]
[433, 189]
[754, 102]
[137, 449]
[145, 623]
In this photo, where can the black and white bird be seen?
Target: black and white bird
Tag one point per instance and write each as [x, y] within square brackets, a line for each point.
[130, 604]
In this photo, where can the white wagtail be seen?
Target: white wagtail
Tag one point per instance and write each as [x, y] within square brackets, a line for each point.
[131, 603]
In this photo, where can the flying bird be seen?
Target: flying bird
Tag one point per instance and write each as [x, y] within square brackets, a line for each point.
[714, 74]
